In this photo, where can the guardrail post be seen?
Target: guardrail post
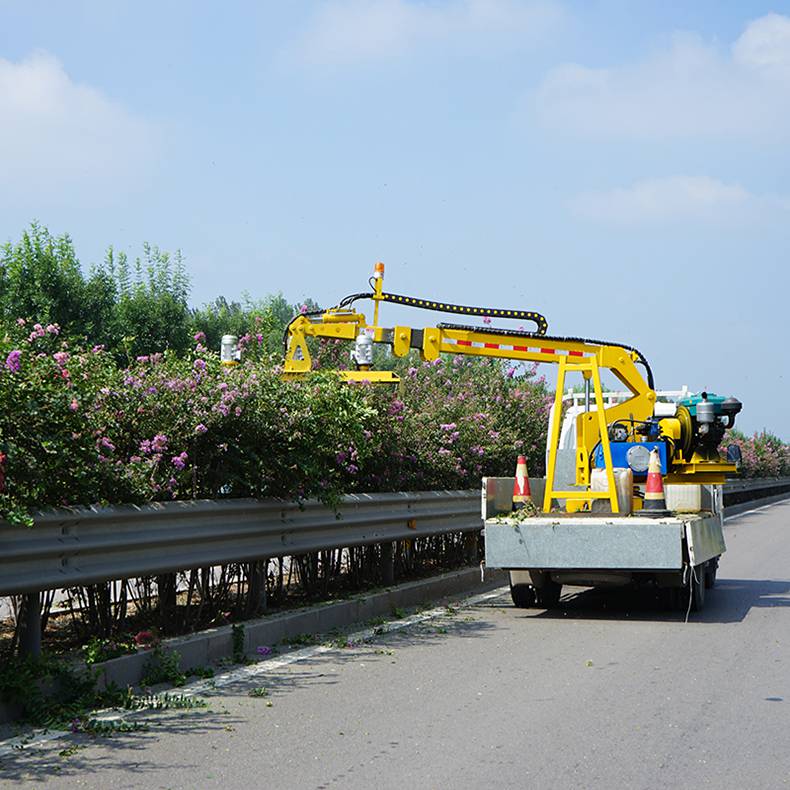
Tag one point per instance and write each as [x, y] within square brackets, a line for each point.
[388, 563]
[256, 586]
[30, 625]
[470, 548]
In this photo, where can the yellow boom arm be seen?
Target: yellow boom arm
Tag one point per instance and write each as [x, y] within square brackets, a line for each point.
[571, 355]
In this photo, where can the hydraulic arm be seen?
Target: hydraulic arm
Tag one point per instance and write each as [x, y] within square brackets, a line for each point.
[689, 455]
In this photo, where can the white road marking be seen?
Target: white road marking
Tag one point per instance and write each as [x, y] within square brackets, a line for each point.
[753, 510]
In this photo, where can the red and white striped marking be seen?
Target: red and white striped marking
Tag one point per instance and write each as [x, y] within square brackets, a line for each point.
[508, 347]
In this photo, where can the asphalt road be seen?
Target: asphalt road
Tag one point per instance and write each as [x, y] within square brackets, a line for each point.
[607, 691]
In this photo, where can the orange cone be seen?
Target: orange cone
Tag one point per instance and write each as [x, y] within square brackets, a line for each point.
[521, 492]
[655, 503]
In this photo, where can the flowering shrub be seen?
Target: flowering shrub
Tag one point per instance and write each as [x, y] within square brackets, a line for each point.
[455, 420]
[764, 455]
[76, 428]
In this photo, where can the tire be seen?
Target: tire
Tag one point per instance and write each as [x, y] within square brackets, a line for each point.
[710, 573]
[548, 596]
[523, 595]
[676, 598]
[698, 585]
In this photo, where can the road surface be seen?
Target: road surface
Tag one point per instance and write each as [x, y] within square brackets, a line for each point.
[606, 691]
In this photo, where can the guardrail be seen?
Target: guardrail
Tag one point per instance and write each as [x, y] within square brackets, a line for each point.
[79, 546]
[68, 548]
[737, 491]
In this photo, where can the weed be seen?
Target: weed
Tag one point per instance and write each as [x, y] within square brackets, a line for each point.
[300, 640]
[47, 690]
[98, 649]
[70, 751]
[399, 613]
[342, 642]
[165, 702]
[106, 727]
[237, 636]
[259, 691]
[199, 672]
[162, 667]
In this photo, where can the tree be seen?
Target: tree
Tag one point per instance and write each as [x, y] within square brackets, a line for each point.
[151, 313]
[41, 281]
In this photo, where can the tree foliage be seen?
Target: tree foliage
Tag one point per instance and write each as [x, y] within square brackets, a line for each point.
[131, 307]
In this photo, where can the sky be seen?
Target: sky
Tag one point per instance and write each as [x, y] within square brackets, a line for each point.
[619, 166]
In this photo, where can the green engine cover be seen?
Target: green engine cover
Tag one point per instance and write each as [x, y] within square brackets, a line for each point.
[692, 400]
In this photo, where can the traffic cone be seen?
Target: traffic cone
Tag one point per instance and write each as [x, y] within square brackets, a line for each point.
[655, 503]
[521, 492]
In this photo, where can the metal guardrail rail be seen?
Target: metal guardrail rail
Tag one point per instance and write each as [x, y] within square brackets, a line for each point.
[69, 548]
[738, 486]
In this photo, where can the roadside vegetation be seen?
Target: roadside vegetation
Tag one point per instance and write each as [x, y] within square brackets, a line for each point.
[112, 392]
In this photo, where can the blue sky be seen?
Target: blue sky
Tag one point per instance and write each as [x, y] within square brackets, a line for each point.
[621, 167]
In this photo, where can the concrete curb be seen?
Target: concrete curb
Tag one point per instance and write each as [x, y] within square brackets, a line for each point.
[198, 650]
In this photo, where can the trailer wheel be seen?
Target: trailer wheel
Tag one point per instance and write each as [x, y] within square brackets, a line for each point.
[548, 596]
[523, 595]
[698, 585]
[710, 573]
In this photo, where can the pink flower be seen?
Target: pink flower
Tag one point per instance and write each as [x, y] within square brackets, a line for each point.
[53, 329]
[144, 638]
[199, 337]
[200, 428]
[73, 406]
[97, 349]
[179, 461]
[20, 321]
[12, 361]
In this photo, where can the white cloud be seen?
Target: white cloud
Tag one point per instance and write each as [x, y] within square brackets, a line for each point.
[350, 31]
[689, 89]
[677, 198]
[59, 137]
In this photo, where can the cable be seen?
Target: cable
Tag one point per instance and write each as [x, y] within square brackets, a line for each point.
[691, 590]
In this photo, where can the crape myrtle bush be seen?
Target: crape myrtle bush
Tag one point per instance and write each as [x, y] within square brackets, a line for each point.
[764, 454]
[78, 428]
